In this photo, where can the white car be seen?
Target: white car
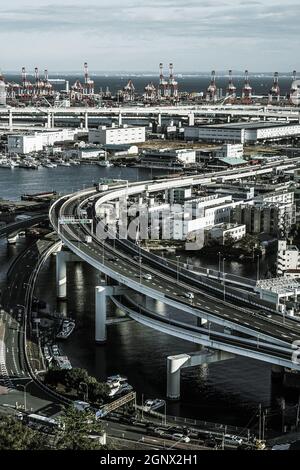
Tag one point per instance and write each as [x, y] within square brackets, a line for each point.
[181, 437]
[148, 277]
[189, 295]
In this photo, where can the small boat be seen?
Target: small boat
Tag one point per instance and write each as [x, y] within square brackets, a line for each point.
[119, 390]
[6, 163]
[105, 163]
[117, 379]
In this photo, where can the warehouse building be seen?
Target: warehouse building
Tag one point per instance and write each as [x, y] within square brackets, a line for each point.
[37, 141]
[117, 135]
[168, 158]
[244, 133]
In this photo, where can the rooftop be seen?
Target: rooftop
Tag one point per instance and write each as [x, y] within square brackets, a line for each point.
[252, 125]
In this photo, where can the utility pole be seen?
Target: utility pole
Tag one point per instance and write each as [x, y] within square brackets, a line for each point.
[224, 259]
[259, 423]
[283, 413]
[298, 413]
[264, 424]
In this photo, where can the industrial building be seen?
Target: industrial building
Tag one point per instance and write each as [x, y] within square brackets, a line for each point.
[117, 135]
[268, 217]
[86, 153]
[168, 158]
[244, 133]
[2, 91]
[37, 141]
[288, 260]
[224, 232]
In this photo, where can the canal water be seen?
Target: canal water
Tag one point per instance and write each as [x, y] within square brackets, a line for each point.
[229, 391]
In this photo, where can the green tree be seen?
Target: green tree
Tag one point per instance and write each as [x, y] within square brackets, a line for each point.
[77, 426]
[229, 240]
[73, 378]
[98, 391]
[14, 435]
[54, 376]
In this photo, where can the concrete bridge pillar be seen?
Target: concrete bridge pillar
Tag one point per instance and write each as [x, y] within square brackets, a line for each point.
[62, 258]
[52, 120]
[176, 363]
[159, 119]
[61, 275]
[10, 120]
[100, 314]
[48, 124]
[120, 120]
[102, 292]
[191, 119]
[86, 120]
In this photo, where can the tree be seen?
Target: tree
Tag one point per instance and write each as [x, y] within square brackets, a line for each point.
[249, 242]
[74, 377]
[229, 240]
[54, 376]
[14, 435]
[76, 428]
[98, 392]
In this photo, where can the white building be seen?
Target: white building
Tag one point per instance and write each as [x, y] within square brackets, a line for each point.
[168, 158]
[280, 291]
[222, 232]
[117, 135]
[2, 91]
[199, 214]
[248, 132]
[288, 260]
[230, 151]
[85, 153]
[37, 141]
[178, 195]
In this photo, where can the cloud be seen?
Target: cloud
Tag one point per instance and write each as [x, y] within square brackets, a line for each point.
[167, 26]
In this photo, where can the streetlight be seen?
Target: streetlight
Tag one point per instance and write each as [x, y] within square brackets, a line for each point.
[178, 258]
[86, 395]
[140, 262]
[164, 417]
[24, 389]
[219, 264]
[257, 276]
[224, 259]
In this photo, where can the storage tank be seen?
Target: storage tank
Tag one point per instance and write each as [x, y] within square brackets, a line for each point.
[2, 92]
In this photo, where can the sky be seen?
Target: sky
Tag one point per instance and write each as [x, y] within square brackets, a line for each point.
[135, 35]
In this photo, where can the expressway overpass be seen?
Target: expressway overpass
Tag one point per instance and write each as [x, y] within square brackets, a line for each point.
[233, 328]
[49, 114]
[22, 224]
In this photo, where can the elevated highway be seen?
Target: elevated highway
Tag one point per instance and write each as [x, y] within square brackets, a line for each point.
[47, 115]
[251, 333]
[19, 225]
